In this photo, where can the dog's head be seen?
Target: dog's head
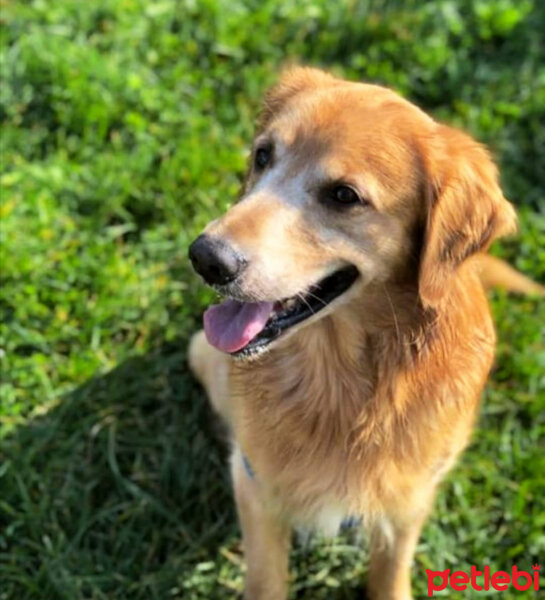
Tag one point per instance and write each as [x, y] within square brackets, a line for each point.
[348, 185]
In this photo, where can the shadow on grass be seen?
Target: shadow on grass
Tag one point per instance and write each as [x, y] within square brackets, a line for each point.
[122, 491]
[117, 490]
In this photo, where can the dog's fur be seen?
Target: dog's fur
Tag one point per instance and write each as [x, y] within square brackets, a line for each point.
[362, 409]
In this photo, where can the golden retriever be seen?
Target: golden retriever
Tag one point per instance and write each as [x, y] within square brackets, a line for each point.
[356, 338]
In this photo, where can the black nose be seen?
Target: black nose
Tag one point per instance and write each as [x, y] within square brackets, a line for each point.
[215, 260]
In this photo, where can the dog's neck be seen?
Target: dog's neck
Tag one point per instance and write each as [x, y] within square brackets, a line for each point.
[343, 354]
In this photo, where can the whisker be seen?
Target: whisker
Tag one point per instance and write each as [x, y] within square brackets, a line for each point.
[398, 334]
[317, 298]
[301, 297]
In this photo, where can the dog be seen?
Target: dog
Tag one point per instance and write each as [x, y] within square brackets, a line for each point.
[356, 338]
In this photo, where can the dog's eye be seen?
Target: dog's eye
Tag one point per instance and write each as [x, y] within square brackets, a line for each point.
[344, 194]
[262, 157]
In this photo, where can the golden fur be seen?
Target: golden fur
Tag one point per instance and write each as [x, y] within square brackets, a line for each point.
[363, 409]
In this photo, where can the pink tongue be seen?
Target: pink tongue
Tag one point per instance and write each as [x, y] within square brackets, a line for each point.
[231, 325]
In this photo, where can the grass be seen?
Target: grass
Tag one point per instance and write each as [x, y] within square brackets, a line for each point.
[125, 127]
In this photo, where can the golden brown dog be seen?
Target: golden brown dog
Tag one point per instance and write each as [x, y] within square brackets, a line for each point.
[350, 356]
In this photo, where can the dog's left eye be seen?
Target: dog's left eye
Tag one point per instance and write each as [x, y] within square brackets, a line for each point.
[343, 194]
[262, 157]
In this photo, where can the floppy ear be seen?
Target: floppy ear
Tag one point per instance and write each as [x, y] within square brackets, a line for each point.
[466, 209]
[292, 82]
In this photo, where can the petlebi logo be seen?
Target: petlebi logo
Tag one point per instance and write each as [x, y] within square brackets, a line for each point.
[498, 580]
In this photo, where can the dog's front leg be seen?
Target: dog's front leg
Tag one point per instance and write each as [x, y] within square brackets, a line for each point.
[392, 546]
[266, 538]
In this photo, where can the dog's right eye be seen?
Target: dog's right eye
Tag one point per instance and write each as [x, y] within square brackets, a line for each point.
[262, 157]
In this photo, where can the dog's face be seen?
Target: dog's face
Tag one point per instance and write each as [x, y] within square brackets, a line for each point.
[342, 178]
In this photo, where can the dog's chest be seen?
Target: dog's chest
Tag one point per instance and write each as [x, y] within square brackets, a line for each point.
[295, 417]
[325, 514]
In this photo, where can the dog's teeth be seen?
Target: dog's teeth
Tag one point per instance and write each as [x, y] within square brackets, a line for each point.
[286, 305]
[289, 303]
[283, 308]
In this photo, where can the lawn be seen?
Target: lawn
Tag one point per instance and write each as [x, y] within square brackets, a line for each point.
[125, 128]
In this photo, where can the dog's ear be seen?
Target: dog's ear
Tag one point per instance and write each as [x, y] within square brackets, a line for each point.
[293, 81]
[466, 209]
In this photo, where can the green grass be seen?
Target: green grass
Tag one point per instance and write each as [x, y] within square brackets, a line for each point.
[125, 127]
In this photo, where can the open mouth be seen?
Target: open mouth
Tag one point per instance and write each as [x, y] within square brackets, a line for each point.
[245, 329]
